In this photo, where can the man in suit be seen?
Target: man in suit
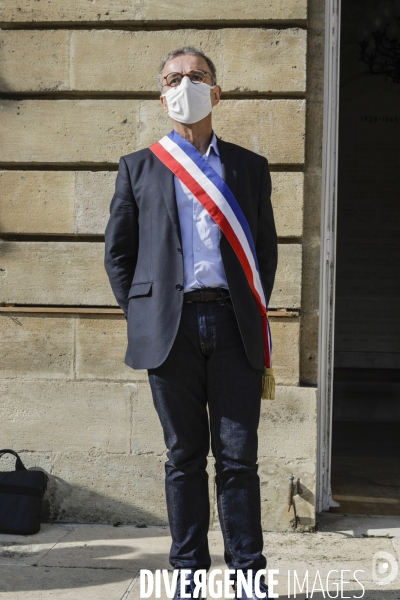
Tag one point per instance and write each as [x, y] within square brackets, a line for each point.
[193, 321]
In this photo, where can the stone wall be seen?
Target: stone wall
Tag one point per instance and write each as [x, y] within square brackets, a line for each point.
[78, 86]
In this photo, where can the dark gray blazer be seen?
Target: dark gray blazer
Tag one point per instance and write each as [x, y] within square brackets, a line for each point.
[143, 253]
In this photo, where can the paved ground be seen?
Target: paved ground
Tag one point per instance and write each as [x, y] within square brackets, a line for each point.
[101, 562]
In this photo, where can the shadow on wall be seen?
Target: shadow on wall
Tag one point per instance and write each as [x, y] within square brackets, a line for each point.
[64, 502]
[297, 508]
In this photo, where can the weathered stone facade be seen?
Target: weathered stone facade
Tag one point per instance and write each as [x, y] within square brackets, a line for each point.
[79, 89]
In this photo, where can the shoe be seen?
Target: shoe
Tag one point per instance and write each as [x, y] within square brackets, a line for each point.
[245, 596]
[189, 587]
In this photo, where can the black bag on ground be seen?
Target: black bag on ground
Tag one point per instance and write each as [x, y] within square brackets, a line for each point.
[21, 495]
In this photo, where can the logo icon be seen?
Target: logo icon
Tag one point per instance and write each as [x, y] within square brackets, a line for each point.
[384, 568]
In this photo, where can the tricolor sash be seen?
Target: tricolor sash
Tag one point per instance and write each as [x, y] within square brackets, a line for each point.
[193, 170]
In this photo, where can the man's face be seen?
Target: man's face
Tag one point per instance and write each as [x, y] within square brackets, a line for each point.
[183, 64]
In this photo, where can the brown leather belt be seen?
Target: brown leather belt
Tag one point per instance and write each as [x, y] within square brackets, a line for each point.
[206, 295]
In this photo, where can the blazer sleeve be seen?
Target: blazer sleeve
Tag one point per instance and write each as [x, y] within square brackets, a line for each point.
[122, 237]
[266, 242]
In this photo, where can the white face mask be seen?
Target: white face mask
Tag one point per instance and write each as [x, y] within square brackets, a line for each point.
[189, 102]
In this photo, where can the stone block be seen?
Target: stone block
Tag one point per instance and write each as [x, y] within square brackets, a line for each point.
[56, 202]
[110, 60]
[285, 337]
[65, 131]
[100, 131]
[93, 193]
[101, 342]
[65, 416]
[105, 488]
[34, 61]
[287, 288]
[273, 128]
[207, 10]
[65, 202]
[54, 273]
[24, 11]
[34, 347]
[147, 435]
[288, 424]
[37, 202]
[287, 202]
[72, 273]
[269, 60]
[274, 475]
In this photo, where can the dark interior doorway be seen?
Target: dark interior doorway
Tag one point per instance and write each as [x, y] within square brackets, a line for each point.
[366, 392]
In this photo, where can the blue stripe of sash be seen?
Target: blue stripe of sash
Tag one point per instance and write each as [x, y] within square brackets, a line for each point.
[219, 183]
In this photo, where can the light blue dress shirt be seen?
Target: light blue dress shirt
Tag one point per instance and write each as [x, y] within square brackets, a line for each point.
[202, 262]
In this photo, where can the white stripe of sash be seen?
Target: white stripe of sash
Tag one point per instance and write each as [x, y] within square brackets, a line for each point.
[219, 199]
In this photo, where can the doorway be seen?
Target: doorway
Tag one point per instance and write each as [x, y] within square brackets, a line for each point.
[365, 434]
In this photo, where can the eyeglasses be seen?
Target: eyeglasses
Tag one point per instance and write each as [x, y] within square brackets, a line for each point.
[195, 76]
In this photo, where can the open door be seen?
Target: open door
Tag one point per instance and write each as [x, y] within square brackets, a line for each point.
[366, 384]
[362, 437]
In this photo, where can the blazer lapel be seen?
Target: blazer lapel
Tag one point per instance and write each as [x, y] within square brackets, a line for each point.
[229, 162]
[165, 179]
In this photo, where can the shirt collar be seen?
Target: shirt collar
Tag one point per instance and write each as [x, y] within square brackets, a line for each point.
[213, 145]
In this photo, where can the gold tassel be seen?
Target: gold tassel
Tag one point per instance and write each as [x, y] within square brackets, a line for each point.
[268, 384]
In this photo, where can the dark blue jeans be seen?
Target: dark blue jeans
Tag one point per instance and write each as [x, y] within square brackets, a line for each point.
[207, 366]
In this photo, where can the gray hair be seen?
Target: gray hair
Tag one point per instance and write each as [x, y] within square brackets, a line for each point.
[186, 50]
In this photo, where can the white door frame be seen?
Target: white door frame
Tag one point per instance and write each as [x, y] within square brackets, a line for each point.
[328, 253]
